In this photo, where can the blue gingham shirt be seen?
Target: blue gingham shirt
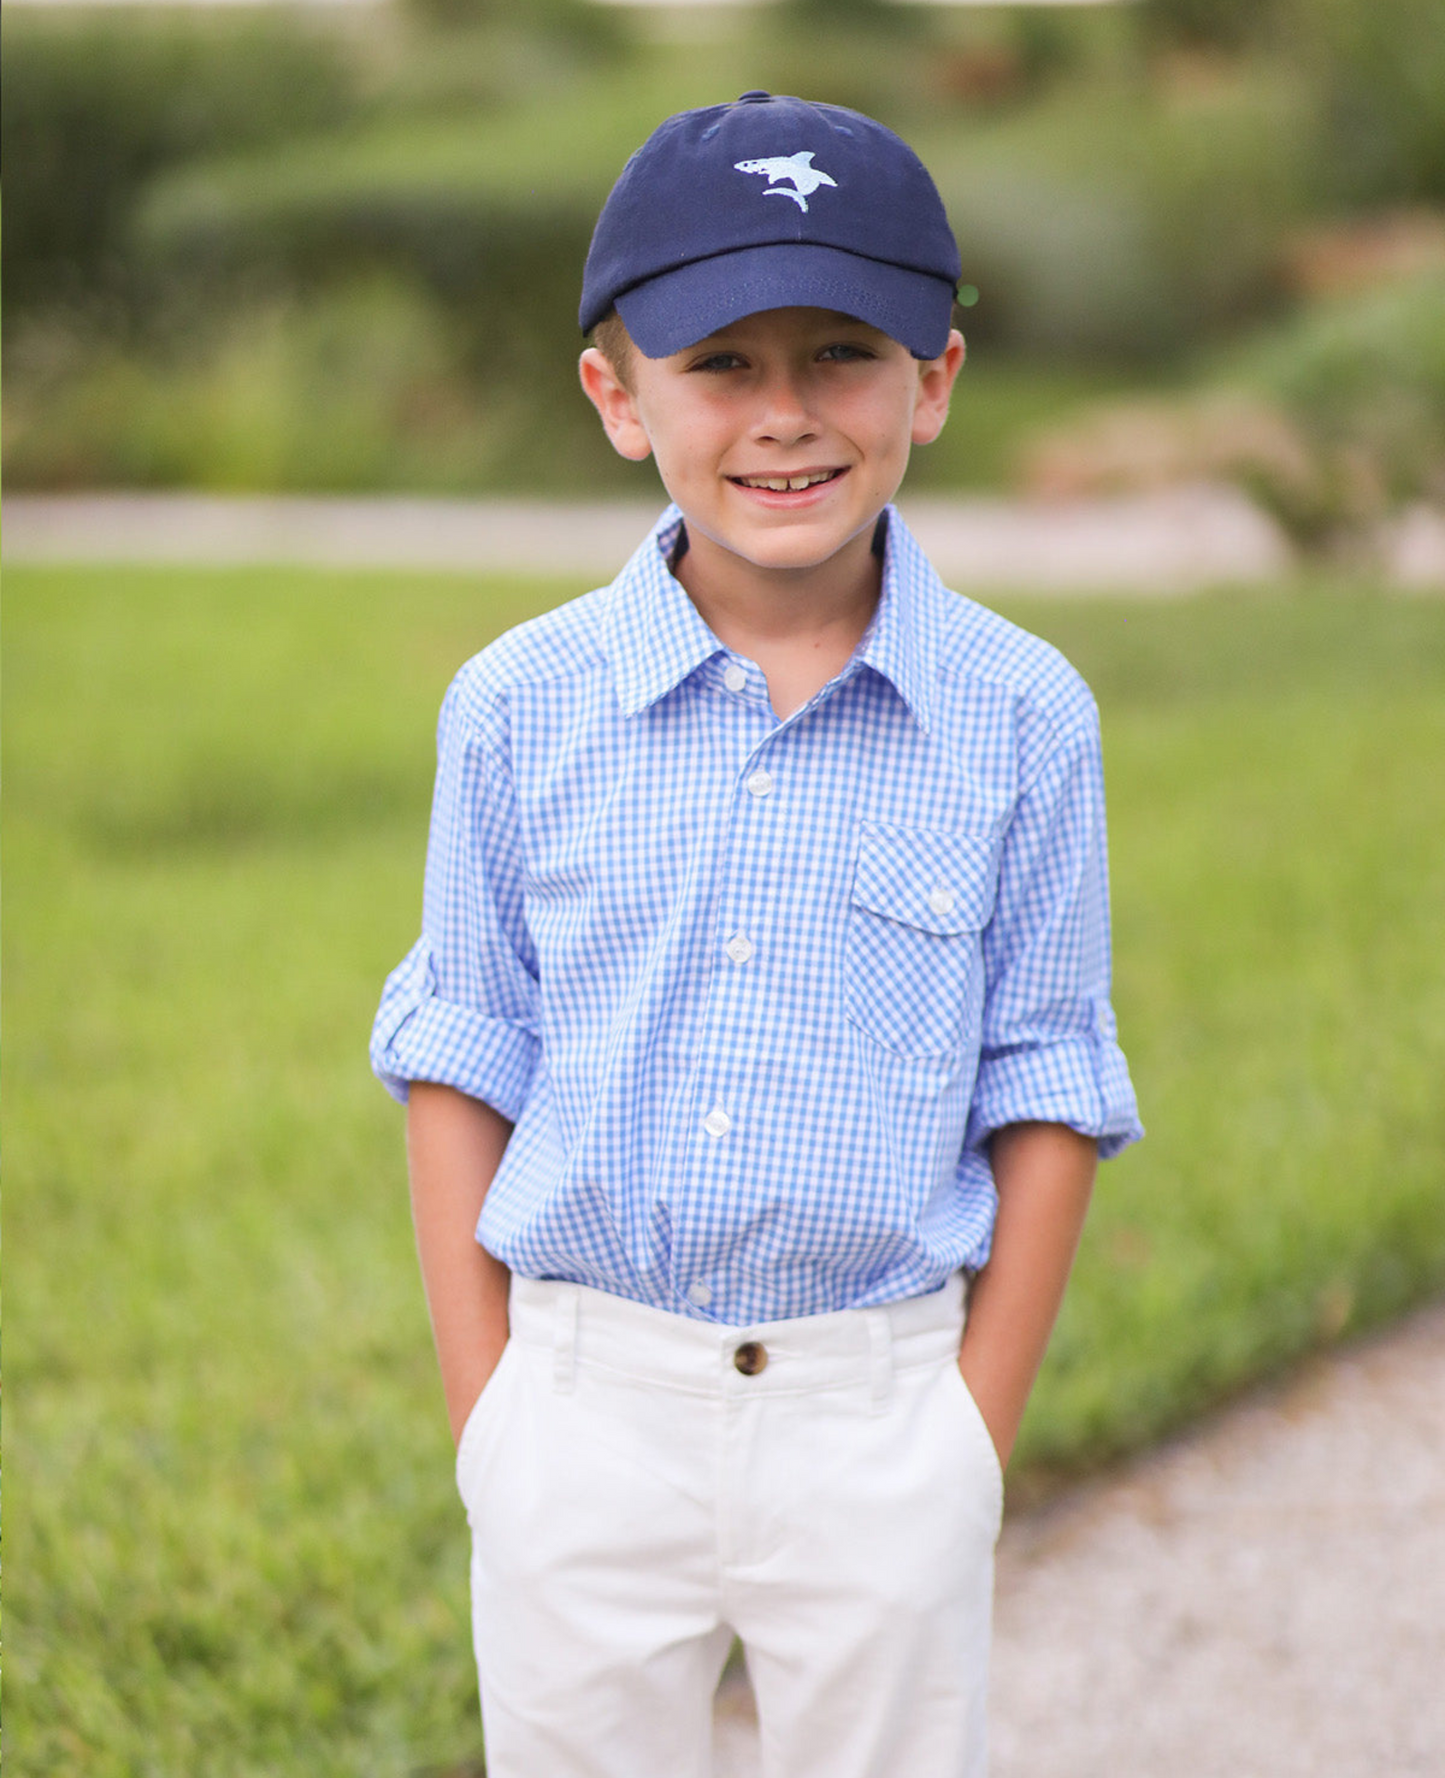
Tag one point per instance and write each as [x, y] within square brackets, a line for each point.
[756, 993]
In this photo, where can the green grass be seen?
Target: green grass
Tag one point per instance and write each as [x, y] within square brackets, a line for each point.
[235, 1548]
[1278, 889]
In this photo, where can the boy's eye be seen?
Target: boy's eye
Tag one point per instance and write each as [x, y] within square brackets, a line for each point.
[717, 361]
[844, 352]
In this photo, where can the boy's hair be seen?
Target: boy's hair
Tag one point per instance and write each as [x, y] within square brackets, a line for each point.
[612, 340]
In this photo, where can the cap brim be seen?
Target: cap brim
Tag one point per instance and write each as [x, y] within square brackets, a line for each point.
[675, 310]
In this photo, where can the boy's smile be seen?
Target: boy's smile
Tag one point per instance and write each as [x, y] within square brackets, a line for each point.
[781, 437]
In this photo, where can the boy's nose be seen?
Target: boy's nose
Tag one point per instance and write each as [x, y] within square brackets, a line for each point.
[784, 416]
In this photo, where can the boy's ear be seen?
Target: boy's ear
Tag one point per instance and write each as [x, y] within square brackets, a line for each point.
[616, 405]
[935, 386]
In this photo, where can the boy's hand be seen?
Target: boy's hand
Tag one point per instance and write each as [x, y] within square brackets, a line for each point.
[1045, 1175]
[454, 1145]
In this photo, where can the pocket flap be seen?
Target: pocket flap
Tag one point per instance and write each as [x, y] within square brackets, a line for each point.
[926, 877]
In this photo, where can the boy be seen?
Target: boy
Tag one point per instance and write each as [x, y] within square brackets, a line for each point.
[761, 1004]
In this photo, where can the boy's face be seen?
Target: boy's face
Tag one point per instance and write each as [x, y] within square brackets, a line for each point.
[798, 396]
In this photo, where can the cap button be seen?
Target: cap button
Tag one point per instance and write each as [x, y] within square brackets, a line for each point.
[746, 98]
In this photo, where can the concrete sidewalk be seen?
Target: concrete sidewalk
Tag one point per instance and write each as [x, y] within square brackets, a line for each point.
[1171, 542]
[1264, 1598]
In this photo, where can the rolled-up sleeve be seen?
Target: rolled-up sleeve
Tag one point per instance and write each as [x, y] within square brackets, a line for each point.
[462, 1006]
[1049, 1048]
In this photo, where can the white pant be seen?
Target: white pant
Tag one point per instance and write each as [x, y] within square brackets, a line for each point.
[641, 1487]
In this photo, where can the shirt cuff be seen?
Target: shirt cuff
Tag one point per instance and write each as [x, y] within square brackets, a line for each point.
[419, 1035]
[1081, 1082]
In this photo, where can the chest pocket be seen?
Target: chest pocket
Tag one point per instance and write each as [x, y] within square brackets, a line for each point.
[912, 964]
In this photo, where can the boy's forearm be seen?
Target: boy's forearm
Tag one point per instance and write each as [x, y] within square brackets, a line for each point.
[1045, 1175]
[454, 1145]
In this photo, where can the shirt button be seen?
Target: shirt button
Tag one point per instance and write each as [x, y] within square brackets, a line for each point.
[760, 783]
[942, 901]
[717, 1122]
[739, 948]
[733, 677]
[699, 1293]
[750, 1358]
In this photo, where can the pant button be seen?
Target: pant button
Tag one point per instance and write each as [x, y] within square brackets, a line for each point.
[750, 1358]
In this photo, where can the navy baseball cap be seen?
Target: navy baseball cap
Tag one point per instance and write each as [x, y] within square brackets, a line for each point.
[769, 203]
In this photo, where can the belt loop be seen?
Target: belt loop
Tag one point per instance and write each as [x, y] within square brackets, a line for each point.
[564, 1339]
[880, 1358]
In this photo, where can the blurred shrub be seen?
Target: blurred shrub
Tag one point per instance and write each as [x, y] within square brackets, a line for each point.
[913, 65]
[579, 26]
[1214, 24]
[491, 225]
[363, 387]
[1363, 379]
[458, 199]
[1378, 67]
[97, 103]
[1379, 247]
[1331, 419]
[1124, 223]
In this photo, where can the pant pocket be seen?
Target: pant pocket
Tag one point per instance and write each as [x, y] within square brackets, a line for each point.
[960, 1399]
[478, 1431]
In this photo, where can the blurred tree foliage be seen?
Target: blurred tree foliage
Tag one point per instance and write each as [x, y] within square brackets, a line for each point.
[187, 186]
[1362, 380]
[1332, 419]
[1379, 66]
[97, 104]
[1207, 24]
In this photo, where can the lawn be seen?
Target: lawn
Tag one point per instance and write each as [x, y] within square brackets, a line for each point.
[234, 1546]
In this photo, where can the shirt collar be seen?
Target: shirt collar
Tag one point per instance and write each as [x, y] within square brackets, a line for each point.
[655, 636]
[653, 633]
[902, 642]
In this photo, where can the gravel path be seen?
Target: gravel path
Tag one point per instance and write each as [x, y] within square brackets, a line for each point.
[1264, 1598]
[1160, 543]
[1172, 541]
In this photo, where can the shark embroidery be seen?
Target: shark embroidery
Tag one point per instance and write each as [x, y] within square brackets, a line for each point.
[798, 167]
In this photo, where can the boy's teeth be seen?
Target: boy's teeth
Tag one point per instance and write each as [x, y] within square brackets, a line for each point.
[785, 484]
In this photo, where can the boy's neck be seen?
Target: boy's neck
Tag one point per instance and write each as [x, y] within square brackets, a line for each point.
[800, 625]
[753, 609]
